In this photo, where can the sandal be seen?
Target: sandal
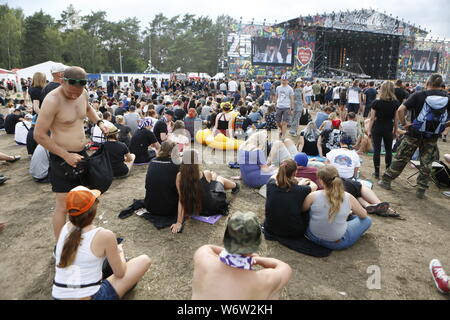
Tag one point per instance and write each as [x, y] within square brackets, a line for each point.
[14, 160]
[380, 208]
[391, 213]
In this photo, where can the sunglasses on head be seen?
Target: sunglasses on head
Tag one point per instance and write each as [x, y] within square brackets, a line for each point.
[73, 82]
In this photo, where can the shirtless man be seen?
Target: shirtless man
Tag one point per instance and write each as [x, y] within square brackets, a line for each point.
[63, 112]
[222, 274]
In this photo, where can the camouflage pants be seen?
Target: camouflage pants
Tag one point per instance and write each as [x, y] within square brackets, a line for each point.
[428, 153]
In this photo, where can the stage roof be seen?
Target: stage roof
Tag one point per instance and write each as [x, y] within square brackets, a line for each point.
[365, 20]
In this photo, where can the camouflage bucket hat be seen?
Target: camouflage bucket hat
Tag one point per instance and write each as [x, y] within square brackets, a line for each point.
[243, 233]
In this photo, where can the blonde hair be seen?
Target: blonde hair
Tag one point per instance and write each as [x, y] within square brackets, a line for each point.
[387, 91]
[332, 116]
[334, 189]
[258, 140]
[39, 80]
[120, 119]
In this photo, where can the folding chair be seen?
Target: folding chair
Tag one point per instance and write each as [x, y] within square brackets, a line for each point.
[436, 168]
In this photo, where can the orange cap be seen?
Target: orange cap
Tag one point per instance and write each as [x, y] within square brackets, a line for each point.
[81, 199]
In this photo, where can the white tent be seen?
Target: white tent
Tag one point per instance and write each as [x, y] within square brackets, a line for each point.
[219, 76]
[44, 67]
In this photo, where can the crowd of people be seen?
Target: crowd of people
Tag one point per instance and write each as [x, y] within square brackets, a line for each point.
[316, 200]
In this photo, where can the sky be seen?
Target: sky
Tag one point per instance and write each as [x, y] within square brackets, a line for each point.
[430, 14]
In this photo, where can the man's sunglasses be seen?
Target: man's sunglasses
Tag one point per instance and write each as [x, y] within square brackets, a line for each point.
[79, 82]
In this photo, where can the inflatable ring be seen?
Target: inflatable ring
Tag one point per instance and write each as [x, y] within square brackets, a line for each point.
[220, 141]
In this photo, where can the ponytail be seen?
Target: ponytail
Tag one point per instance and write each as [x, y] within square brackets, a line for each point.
[72, 242]
[334, 189]
[285, 172]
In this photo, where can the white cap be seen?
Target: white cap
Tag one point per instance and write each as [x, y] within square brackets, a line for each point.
[58, 67]
[299, 80]
[28, 116]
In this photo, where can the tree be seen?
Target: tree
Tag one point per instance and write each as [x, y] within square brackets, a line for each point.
[11, 24]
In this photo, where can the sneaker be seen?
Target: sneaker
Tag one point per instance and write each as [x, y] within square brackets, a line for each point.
[439, 276]
[420, 193]
[384, 184]
[376, 175]
[236, 189]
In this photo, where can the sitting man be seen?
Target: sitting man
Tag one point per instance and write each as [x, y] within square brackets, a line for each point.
[303, 171]
[227, 273]
[142, 140]
[329, 138]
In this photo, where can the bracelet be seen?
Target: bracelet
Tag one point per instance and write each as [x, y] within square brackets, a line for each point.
[98, 122]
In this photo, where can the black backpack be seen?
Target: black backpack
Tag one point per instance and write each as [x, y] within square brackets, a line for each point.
[100, 172]
[2, 121]
[343, 94]
[305, 118]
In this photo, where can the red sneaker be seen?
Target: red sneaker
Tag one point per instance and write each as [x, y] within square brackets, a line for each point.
[440, 277]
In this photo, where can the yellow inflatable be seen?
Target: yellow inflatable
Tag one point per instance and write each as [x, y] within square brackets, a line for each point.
[218, 142]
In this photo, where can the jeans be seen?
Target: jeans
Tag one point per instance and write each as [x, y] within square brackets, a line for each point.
[296, 115]
[356, 227]
[382, 131]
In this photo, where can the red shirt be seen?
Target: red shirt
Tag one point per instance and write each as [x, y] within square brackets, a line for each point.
[308, 173]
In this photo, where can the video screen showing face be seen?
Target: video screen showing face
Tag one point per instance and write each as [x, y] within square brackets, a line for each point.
[272, 51]
[424, 61]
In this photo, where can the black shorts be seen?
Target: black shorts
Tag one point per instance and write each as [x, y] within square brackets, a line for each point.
[64, 177]
[353, 187]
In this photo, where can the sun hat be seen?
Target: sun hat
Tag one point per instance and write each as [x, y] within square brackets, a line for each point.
[58, 67]
[242, 234]
[80, 199]
[112, 130]
[146, 122]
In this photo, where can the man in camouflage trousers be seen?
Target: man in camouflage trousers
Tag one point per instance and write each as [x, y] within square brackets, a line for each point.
[414, 139]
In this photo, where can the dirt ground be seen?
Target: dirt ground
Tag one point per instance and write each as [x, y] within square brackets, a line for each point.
[401, 249]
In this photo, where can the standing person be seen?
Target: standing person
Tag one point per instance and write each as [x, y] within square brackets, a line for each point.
[110, 85]
[232, 87]
[67, 143]
[329, 210]
[35, 91]
[430, 111]
[81, 250]
[284, 98]
[308, 93]
[383, 124]
[57, 72]
[267, 85]
[354, 98]
[299, 100]
[227, 273]
[400, 93]
[336, 96]
[370, 94]
[316, 94]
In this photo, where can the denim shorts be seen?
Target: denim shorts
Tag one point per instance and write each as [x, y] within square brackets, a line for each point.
[106, 292]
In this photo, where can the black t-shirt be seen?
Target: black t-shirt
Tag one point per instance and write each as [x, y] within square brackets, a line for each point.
[161, 195]
[110, 86]
[160, 127]
[416, 101]
[284, 215]
[35, 94]
[124, 133]
[385, 110]
[139, 144]
[10, 123]
[401, 94]
[47, 89]
[371, 95]
[309, 147]
[117, 150]
[120, 111]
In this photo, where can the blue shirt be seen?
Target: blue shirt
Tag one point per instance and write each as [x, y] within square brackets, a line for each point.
[320, 118]
[267, 85]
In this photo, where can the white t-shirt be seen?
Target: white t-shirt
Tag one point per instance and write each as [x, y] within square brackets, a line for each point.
[353, 94]
[39, 163]
[21, 131]
[232, 86]
[97, 134]
[307, 91]
[345, 161]
[336, 92]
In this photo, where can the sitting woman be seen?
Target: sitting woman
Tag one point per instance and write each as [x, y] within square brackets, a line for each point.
[285, 196]
[161, 195]
[120, 157]
[327, 124]
[180, 135]
[224, 121]
[269, 117]
[329, 210]
[255, 171]
[307, 142]
[282, 150]
[83, 247]
[200, 192]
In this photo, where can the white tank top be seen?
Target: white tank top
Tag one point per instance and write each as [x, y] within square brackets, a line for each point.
[86, 269]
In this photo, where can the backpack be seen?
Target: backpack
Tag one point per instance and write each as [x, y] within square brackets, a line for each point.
[442, 176]
[239, 123]
[2, 121]
[433, 116]
[305, 118]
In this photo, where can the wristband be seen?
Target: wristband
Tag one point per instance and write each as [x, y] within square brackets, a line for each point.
[98, 122]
